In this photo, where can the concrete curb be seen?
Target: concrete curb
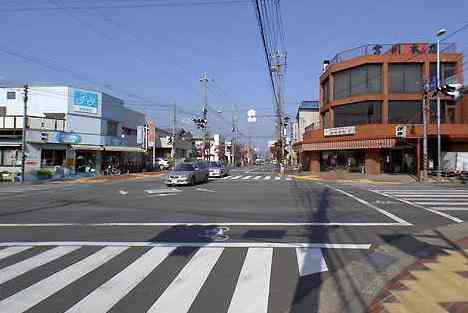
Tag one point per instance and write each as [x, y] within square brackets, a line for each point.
[354, 287]
[346, 181]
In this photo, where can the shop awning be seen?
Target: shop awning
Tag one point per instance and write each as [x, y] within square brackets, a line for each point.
[87, 147]
[350, 145]
[123, 149]
[10, 144]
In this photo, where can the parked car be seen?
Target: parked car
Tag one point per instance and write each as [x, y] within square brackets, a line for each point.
[217, 169]
[189, 173]
[163, 164]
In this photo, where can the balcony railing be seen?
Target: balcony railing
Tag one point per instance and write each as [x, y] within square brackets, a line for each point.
[34, 122]
[393, 49]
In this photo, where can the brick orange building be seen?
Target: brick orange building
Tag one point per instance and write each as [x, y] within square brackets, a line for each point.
[366, 92]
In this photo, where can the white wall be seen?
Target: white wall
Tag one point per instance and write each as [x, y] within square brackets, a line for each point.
[305, 119]
[40, 100]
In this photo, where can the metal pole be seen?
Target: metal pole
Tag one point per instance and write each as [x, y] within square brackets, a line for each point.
[23, 139]
[174, 120]
[206, 145]
[424, 174]
[439, 147]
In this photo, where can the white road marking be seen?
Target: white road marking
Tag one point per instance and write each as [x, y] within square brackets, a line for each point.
[167, 194]
[419, 190]
[288, 178]
[205, 190]
[267, 177]
[38, 292]
[29, 264]
[370, 205]
[178, 297]
[189, 244]
[253, 285]
[123, 192]
[449, 208]
[112, 224]
[247, 177]
[277, 178]
[4, 253]
[450, 217]
[431, 196]
[227, 177]
[108, 294]
[442, 203]
[310, 260]
[236, 177]
[257, 177]
[164, 190]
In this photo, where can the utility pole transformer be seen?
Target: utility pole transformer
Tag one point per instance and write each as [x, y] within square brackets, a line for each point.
[23, 139]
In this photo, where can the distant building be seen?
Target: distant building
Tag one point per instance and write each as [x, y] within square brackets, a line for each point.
[68, 129]
[307, 118]
[215, 151]
[182, 144]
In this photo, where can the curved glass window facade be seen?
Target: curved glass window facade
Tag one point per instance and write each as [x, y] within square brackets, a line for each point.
[364, 79]
[366, 112]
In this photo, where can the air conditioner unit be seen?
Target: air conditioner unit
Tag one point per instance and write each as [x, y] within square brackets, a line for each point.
[401, 131]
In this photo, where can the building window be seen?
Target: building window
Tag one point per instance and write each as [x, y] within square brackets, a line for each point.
[326, 91]
[10, 156]
[404, 112]
[112, 128]
[447, 70]
[405, 78]
[364, 79]
[2, 111]
[325, 119]
[11, 95]
[447, 109]
[52, 157]
[367, 112]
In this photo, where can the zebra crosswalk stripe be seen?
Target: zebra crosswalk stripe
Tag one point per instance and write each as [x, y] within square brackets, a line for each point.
[4, 253]
[180, 294]
[253, 285]
[267, 177]
[36, 293]
[236, 177]
[108, 294]
[277, 178]
[27, 265]
[246, 177]
[257, 177]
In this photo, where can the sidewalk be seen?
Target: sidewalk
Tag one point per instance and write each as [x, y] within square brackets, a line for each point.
[89, 179]
[358, 178]
[409, 273]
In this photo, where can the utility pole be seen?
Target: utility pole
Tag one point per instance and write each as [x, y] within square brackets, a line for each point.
[23, 139]
[440, 33]
[425, 111]
[206, 144]
[174, 121]
[277, 69]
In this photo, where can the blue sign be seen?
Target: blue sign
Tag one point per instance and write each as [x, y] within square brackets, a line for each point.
[85, 101]
[57, 137]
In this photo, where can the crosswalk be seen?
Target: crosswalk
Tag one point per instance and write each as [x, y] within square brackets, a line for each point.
[257, 178]
[180, 274]
[439, 199]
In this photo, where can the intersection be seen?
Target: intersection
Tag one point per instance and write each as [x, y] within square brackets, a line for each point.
[204, 248]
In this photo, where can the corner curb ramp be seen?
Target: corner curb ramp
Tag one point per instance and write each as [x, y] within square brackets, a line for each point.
[355, 287]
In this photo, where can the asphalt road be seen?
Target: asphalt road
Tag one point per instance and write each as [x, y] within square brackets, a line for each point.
[253, 242]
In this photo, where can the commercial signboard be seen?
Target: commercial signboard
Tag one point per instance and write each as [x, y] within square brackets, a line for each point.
[85, 101]
[140, 135]
[151, 133]
[339, 131]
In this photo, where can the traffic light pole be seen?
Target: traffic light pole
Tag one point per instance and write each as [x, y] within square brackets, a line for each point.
[206, 144]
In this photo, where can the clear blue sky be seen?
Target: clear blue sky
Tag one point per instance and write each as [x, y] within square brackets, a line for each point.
[159, 52]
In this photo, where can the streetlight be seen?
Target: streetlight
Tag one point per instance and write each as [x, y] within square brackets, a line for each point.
[439, 34]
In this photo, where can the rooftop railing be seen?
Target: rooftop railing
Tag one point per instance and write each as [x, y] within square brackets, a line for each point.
[393, 49]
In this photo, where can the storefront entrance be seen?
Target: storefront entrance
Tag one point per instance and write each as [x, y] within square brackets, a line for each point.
[350, 160]
[399, 160]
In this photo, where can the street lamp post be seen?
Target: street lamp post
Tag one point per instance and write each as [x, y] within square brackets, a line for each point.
[439, 34]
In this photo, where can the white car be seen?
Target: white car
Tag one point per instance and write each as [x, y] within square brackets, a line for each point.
[217, 169]
[163, 164]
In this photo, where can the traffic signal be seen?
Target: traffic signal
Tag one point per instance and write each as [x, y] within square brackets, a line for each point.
[452, 89]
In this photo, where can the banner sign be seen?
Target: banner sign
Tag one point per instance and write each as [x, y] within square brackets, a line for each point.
[85, 101]
[339, 131]
[140, 135]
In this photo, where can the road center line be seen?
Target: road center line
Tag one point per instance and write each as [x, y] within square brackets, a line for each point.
[370, 205]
